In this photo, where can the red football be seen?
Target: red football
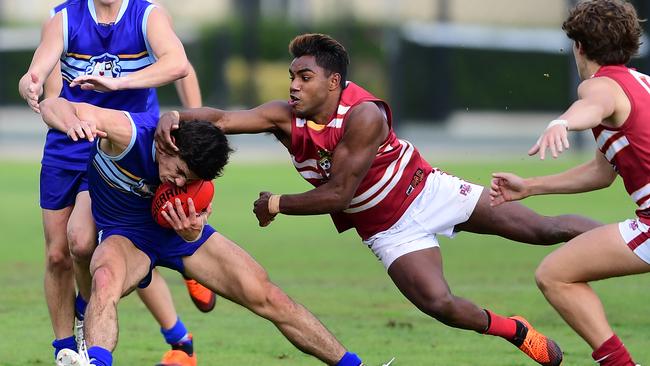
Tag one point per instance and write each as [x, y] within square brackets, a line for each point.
[201, 192]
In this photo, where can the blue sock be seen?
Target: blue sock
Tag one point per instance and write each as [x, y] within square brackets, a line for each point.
[349, 359]
[80, 307]
[176, 334]
[100, 356]
[62, 343]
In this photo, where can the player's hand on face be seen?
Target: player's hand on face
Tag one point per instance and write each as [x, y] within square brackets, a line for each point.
[30, 89]
[84, 130]
[555, 138]
[261, 209]
[97, 83]
[166, 124]
[507, 187]
[190, 226]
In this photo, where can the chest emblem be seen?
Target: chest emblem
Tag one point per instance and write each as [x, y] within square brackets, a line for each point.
[106, 65]
[325, 161]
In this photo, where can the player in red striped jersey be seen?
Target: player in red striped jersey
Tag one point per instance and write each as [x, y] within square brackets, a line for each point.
[614, 102]
[341, 140]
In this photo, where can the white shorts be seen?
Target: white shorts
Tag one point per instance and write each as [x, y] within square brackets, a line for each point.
[445, 202]
[637, 237]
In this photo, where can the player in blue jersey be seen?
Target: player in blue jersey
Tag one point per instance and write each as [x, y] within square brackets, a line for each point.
[123, 161]
[130, 43]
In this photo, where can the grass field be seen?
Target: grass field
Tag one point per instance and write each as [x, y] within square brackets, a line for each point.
[333, 275]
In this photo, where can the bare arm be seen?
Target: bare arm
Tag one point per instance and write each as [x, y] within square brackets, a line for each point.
[591, 176]
[171, 61]
[273, 117]
[188, 90]
[365, 131]
[54, 83]
[83, 120]
[598, 100]
[44, 60]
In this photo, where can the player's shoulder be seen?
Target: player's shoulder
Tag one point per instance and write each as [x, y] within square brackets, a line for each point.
[598, 85]
[367, 111]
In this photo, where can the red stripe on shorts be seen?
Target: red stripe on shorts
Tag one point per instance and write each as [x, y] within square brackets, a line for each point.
[638, 240]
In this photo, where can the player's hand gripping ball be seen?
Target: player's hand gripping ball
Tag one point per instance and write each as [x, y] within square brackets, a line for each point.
[200, 191]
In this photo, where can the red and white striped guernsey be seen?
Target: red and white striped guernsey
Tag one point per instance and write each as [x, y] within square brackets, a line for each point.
[627, 148]
[395, 178]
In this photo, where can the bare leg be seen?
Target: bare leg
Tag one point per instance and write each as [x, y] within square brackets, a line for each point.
[117, 267]
[517, 222]
[228, 270]
[418, 275]
[563, 277]
[59, 275]
[82, 238]
[158, 299]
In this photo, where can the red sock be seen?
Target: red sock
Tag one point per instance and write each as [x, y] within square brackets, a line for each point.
[500, 326]
[612, 353]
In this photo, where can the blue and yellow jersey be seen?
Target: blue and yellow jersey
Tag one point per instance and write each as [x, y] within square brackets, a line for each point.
[122, 187]
[110, 50]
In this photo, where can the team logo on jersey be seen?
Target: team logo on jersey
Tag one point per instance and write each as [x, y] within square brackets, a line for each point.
[143, 189]
[325, 161]
[106, 65]
[634, 225]
[417, 179]
[465, 189]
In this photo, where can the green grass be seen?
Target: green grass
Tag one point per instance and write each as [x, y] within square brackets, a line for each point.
[333, 275]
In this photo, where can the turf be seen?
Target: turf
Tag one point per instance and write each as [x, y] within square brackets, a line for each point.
[333, 275]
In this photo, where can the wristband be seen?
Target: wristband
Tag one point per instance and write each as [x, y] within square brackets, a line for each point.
[556, 122]
[274, 204]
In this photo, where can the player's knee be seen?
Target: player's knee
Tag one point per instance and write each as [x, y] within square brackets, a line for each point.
[104, 284]
[58, 258]
[272, 303]
[81, 243]
[439, 305]
[545, 277]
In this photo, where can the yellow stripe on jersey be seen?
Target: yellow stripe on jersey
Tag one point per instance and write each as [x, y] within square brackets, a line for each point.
[126, 172]
[77, 55]
[315, 126]
[137, 55]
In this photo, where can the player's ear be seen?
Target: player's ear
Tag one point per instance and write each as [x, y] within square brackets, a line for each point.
[334, 81]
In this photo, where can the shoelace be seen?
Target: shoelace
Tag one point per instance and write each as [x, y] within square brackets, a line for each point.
[81, 342]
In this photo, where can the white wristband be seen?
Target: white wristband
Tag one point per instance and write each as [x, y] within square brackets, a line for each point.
[556, 122]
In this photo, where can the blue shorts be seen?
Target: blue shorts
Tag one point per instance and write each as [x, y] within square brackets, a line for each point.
[59, 187]
[163, 246]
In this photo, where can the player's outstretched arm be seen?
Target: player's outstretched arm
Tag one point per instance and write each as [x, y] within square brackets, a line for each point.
[46, 56]
[591, 176]
[597, 102]
[366, 130]
[273, 117]
[86, 121]
[171, 63]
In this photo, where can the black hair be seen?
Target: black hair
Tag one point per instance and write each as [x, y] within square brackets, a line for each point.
[329, 53]
[203, 147]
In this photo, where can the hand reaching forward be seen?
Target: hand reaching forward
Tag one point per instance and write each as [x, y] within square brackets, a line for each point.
[507, 187]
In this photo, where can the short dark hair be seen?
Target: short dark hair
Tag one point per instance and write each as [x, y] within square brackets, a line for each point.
[203, 147]
[609, 31]
[329, 53]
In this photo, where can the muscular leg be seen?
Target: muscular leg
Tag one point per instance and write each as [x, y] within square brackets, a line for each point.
[563, 275]
[158, 299]
[514, 221]
[59, 276]
[418, 275]
[117, 267]
[225, 268]
[82, 238]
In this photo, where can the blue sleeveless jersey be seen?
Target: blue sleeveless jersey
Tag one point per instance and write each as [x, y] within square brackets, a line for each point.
[122, 187]
[113, 50]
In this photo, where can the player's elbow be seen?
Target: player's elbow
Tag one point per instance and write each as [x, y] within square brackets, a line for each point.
[340, 200]
[180, 69]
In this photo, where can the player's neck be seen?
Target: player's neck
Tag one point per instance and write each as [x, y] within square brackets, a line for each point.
[107, 13]
[328, 110]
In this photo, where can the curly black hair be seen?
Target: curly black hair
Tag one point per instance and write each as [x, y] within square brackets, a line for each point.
[328, 52]
[203, 147]
[609, 31]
